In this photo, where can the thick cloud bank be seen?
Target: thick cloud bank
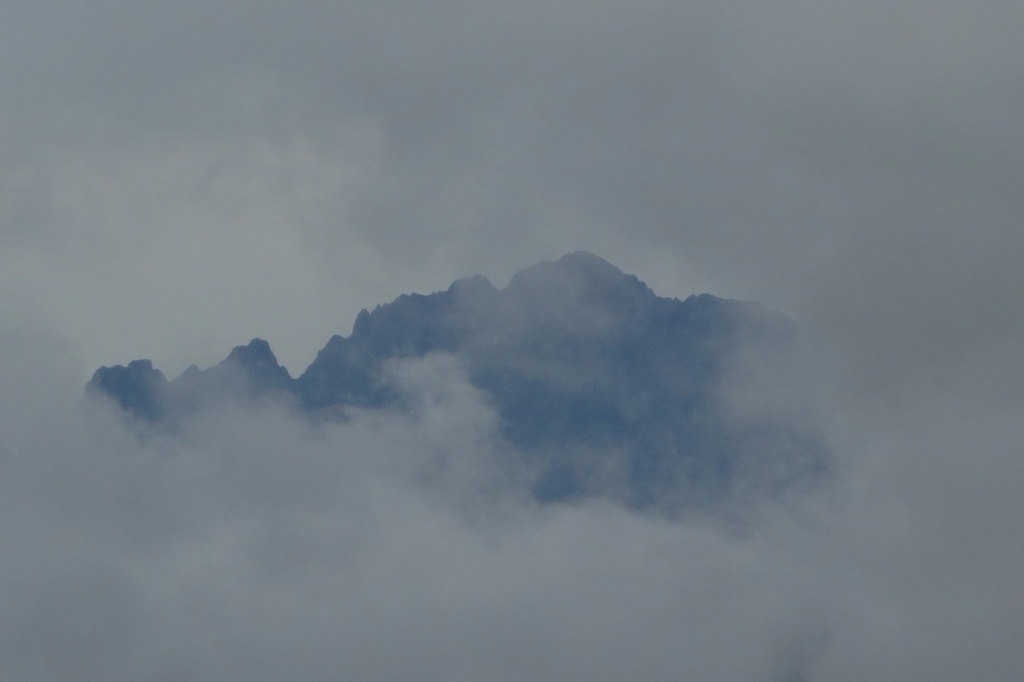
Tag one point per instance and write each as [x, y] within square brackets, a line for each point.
[176, 178]
[253, 546]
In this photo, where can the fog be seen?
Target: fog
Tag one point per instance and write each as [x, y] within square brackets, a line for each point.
[176, 180]
[397, 545]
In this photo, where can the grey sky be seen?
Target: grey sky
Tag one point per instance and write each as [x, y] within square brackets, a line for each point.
[177, 178]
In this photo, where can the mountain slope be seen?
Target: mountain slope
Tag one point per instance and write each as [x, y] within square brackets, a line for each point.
[602, 386]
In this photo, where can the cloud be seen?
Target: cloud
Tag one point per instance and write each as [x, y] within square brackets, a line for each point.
[178, 179]
[396, 545]
[817, 157]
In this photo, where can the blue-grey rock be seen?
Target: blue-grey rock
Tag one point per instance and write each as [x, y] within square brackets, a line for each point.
[138, 389]
[601, 385]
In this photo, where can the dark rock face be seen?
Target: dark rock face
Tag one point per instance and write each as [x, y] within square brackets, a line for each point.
[138, 388]
[578, 359]
[248, 373]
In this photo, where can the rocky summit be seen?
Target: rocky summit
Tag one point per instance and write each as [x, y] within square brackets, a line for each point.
[600, 384]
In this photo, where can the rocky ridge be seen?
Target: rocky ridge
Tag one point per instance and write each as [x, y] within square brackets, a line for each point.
[576, 356]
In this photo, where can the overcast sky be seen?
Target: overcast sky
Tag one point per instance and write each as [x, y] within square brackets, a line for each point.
[178, 178]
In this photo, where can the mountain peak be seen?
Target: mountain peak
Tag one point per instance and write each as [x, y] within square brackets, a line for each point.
[474, 286]
[574, 355]
[254, 366]
[256, 354]
[576, 271]
[138, 388]
[578, 291]
[580, 260]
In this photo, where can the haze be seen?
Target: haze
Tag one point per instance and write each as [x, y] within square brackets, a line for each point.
[178, 179]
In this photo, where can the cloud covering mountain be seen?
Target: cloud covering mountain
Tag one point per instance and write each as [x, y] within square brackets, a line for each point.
[251, 544]
[177, 178]
[601, 386]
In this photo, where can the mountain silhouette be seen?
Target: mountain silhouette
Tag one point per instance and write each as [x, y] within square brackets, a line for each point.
[602, 386]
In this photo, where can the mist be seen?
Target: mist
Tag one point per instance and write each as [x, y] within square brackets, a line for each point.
[178, 179]
[253, 544]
